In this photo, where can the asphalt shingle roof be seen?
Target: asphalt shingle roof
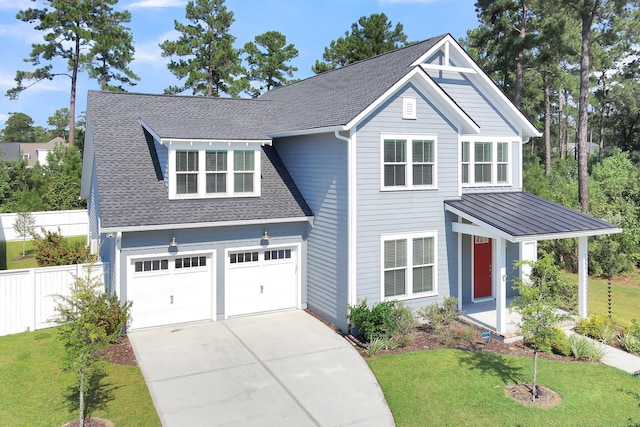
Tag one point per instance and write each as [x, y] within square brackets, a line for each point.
[521, 214]
[335, 98]
[130, 189]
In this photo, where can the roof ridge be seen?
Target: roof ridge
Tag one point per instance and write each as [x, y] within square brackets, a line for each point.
[173, 95]
[401, 48]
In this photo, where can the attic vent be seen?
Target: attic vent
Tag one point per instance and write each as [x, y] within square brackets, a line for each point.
[409, 108]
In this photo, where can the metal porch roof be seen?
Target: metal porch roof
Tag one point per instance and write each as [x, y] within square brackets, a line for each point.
[520, 216]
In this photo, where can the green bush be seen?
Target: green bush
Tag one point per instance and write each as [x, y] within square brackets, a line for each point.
[112, 315]
[52, 249]
[560, 343]
[630, 342]
[439, 317]
[582, 348]
[608, 333]
[384, 320]
[593, 326]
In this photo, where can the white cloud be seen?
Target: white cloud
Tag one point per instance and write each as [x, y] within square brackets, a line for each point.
[154, 4]
[21, 31]
[15, 4]
[149, 51]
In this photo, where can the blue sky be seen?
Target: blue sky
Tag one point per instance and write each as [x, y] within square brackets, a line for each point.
[309, 24]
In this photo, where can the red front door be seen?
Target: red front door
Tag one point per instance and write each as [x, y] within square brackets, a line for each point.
[481, 267]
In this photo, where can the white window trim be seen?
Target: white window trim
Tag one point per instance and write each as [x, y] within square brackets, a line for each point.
[202, 148]
[408, 173]
[494, 161]
[409, 276]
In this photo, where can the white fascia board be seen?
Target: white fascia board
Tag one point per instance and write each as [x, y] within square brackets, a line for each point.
[427, 83]
[191, 141]
[301, 132]
[528, 129]
[205, 224]
[489, 229]
[569, 235]
[149, 129]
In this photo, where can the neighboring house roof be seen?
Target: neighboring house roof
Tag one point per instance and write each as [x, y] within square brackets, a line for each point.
[520, 216]
[9, 150]
[30, 149]
[132, 192]
[335, 98]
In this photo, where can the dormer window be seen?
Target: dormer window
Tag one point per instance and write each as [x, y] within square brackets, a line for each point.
[220, 170]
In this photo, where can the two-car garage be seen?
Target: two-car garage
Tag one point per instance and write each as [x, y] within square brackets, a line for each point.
[184, 287]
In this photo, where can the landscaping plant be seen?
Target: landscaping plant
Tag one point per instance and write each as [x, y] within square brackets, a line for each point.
[539, 307]
[52, 249]
[24, 224]
[384, 320]
[87, 325]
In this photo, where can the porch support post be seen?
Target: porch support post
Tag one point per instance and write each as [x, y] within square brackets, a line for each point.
[500, 282]
[583, 275]
[459, 268]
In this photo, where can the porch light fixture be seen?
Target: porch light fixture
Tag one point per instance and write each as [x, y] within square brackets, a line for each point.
[265, 236]
[173, 243]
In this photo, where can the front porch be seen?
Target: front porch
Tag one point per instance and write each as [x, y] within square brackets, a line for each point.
[483, 316]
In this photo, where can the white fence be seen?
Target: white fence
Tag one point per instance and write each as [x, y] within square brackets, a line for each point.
[27, 296]
[71, 223]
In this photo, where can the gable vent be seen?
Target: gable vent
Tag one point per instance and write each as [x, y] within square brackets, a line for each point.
[409, 108]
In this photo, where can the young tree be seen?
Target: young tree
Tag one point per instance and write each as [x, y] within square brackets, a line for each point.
[267, 58]
[59, 121]
[61, 179]
[205, 52]
[537, 302]
[86, 319]
[369, 36]
[68, 27]
[24, 224]
[52, 249]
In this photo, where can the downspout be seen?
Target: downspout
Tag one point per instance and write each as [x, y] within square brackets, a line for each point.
[351, 218]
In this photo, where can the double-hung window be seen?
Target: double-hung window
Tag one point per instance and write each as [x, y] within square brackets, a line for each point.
[408, 162]
[216, 170]
[485, 161]
[409, 265]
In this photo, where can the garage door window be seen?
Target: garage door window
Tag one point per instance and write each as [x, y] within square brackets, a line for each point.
[190, 262]
[279, 254]
[151, 265]
[243, 257]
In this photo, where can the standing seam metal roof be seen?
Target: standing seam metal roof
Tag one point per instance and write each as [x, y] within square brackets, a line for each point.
[522, 214]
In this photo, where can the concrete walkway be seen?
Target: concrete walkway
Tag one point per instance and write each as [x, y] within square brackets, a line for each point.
[617, 358]
[279, 369]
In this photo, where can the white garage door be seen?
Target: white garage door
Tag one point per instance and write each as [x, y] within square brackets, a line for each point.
[260, 280]
[167, 290]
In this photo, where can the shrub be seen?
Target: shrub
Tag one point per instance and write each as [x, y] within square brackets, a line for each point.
[560, 343]
[378, 344]
[592, 326]
[437, 317]
[608, 333]
[383, 320]
[113, 316]
[630, 342]
[52, 249]
[582, 348]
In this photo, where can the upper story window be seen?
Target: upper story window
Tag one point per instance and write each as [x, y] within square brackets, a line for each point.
[485, 161]
[214, 171]
[408, 162]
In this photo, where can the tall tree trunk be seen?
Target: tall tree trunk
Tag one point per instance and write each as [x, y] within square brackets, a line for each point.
[603, 78]
[517, 96]
[209, 82]
[583, 103]
[547, 125]
[561, 140]
[72, 97]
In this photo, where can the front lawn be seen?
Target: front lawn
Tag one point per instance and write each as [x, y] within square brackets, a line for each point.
[9, 251]
[464, 388]
[34, 389]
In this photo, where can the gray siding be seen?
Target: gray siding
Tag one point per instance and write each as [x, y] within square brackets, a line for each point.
[475, 104]
[216, 239]
[387, 212]
[318, 165]
[513, 256]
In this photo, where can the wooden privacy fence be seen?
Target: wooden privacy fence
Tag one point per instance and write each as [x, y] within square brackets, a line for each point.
[27, 298]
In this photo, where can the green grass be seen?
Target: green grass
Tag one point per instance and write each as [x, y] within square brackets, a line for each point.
[457, 388]
[33, 387]
[9, 251]
[625, 296]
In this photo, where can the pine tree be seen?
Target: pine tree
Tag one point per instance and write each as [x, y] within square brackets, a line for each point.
[267, 57]
[204, 52]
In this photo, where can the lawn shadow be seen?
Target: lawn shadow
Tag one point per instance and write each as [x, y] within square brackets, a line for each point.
[493, 364]
[3, 255]
[96, 397]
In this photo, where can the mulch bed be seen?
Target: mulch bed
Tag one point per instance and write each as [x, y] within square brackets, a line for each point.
[90, 422]
[545, 398]
[121, 353]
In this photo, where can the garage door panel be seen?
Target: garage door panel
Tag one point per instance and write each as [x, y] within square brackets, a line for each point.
[170, 295]
[267, 282]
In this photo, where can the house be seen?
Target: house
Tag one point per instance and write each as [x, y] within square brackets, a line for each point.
[398, 177]
[37, 152]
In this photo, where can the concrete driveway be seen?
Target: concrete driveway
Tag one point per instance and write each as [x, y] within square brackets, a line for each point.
[278, 369]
